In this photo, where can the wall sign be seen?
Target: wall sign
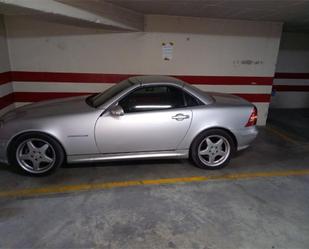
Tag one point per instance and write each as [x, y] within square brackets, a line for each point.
[167, 50]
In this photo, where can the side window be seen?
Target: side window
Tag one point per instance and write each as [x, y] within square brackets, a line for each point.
[191, 101]
[153, 98]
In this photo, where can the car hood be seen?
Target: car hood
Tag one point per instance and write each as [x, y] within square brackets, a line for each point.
[58, 107]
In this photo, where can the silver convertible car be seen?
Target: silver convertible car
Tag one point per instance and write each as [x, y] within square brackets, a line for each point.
[139, 118]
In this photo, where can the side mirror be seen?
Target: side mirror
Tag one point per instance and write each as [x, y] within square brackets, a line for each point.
[117, 110]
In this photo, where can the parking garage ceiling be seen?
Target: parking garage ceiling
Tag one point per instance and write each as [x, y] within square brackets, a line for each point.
[129, 13]
[294, 13]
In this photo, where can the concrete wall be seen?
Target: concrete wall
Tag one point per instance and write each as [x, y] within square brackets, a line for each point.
[291, 84]
[217, 55]
[5, 84]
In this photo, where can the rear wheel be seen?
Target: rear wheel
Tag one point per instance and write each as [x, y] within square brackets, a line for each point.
[36, 154]
[212, 149]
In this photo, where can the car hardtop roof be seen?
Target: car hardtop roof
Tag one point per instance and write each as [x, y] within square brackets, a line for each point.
[155, 79]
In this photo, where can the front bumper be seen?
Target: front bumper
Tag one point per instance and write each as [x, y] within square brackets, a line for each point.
[3, 150]
[245, 137]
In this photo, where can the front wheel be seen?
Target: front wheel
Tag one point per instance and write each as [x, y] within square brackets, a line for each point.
[36, 154]
[212, 149]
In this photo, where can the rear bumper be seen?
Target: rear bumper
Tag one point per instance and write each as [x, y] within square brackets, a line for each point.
[3, 154]
[245, 137]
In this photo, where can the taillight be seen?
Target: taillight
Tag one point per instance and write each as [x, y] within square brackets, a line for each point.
[253, 118]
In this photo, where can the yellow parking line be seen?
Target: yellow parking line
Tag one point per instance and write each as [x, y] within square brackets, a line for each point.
[109, 185]
[282, 135]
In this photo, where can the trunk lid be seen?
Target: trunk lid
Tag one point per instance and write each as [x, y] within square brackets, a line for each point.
[228, 99]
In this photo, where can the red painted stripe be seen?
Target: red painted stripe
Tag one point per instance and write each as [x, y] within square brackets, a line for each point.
[291, 88]
[40, 96]
[68, 77]
[115, 78]
[5, 77]
[6, 100]
[292, 75]
[227, 80]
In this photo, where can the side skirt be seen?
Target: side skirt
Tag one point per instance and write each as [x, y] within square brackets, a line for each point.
[127, 156]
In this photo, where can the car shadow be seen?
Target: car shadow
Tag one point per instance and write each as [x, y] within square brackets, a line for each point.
[5, 167]
[69, 172]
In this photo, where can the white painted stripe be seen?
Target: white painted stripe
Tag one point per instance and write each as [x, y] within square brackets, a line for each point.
[5, 89]
[236, 88]
[98, 87]
[291, 81]
[59, 87]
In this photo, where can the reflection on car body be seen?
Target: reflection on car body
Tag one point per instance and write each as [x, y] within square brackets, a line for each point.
[138, 118]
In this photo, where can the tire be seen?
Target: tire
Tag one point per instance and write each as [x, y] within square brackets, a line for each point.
[212, 149]
[35, 154]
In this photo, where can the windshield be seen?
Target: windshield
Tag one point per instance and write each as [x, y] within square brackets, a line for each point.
[98, 99]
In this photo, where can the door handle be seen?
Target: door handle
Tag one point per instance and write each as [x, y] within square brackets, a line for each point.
[180, 117]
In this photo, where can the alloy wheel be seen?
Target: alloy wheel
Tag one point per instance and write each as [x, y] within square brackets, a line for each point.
[35, 155]
[214, 150]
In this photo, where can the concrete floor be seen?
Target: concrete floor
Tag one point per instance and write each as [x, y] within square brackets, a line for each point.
[268, 212]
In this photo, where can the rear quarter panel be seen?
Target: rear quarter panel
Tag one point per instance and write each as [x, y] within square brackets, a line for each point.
[231, 118]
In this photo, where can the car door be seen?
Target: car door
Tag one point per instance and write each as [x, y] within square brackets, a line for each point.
[155, 119]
